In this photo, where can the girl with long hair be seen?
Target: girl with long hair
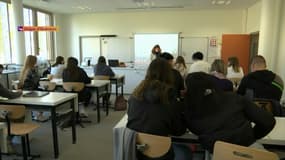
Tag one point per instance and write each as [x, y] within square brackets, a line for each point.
[153, 108]
[181, 66]
[234, 69]
[29, 78]
[58, 67]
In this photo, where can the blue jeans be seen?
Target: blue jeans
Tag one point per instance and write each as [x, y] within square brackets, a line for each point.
[181, 151]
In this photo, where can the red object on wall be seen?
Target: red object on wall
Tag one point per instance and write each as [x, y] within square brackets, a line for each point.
[236, 45]
[213, 42]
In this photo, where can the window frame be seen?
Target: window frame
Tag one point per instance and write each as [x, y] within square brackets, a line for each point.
[51, 55]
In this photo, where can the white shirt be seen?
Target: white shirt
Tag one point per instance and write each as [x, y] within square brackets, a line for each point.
[199, 66]
[57, 71]
[232, 74]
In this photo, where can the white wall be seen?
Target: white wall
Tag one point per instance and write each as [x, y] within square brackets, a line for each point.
[62, 37]
[280, 63]
[190, 23]
[253, 18]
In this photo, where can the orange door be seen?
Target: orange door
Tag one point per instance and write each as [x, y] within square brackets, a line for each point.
[236, 45]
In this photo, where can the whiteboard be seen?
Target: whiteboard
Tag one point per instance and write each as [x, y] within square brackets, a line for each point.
[145, 42]
[190, 45]
[121, 48]
[90, 47]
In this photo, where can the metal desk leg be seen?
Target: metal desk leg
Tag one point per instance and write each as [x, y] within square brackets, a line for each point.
[54, 132]
[73, 121]
[122, 89]
[98, 105]
[105, 99]
[116, 88]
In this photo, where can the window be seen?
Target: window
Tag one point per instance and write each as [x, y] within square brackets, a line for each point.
[44, 38]
[29, 36]
[33, 40]
[5, 50]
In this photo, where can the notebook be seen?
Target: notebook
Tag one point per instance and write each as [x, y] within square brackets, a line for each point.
[35, 94]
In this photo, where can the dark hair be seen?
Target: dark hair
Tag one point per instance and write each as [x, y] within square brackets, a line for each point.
[199, 85]
[197, 56]
[58, 61]
[233, 61]
[157, 79]
[1, 66]
[180, 60]
[101, 60]
[167, 56]
[219, 66]
[153, 49]
[71, 63]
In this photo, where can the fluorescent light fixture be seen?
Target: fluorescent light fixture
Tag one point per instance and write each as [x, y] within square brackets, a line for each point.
[228, 2]
[82, 7]
[221, 2]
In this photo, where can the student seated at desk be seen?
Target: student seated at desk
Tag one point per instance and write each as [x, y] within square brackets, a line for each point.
[153, 109]
[58, 67]
[214, 115]
[101, 69]
[178, 81]
[29, 77]
[219, 71]
[29, 80]
[73, 73]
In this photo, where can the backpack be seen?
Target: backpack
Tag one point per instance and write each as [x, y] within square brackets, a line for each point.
[120, 103]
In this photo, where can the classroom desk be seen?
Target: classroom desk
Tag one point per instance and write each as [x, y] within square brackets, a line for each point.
[275, 137]
[50, 102]
[119, 81]
[101, 88]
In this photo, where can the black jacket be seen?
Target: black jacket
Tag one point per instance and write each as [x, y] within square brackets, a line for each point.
[263, 84]
[103, 70]
[4, 92]
[76, 75]
[150, 116]
[227, 117]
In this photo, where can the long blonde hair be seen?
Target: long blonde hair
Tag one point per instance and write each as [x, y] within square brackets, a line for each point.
[30, 63]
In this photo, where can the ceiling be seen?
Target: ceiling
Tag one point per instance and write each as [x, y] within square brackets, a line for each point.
[89, 6]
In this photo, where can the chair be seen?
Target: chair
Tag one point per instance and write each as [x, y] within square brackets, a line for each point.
[152, 145]
[269, 105]
[101, 77]
[76, 87]
[227, 151]
[47, 85]
[12, 113]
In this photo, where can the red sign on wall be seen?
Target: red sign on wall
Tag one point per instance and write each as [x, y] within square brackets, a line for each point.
[213, 42]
